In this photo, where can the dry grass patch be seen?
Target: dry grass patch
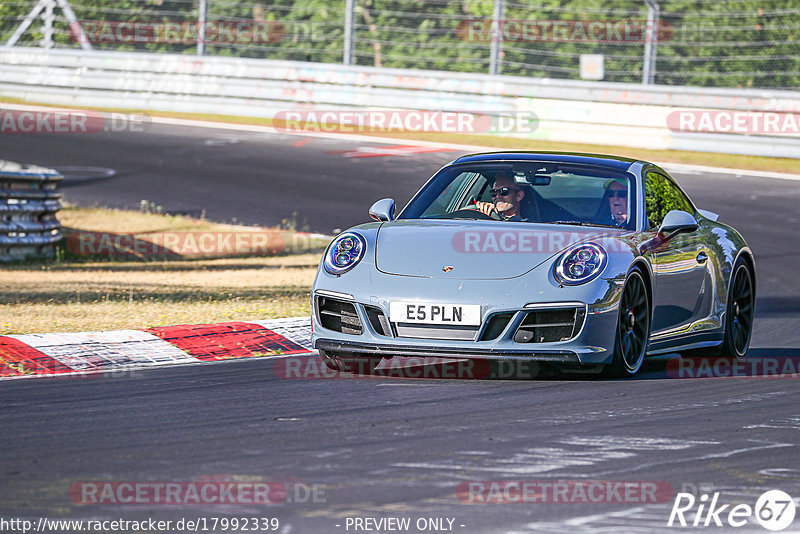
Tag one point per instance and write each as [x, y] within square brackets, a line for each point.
[66, 297]
[118, 234]
[79, 293]
[111, 220]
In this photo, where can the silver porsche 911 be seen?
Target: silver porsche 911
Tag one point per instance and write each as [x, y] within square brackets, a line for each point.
[590, 262]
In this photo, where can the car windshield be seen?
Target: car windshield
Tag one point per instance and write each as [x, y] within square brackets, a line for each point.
[542, 192]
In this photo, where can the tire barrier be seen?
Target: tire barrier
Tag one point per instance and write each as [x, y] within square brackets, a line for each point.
[29, 201]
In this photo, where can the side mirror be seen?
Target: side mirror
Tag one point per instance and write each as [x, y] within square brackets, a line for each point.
[710, 215]
[382, 210]
[677, 222]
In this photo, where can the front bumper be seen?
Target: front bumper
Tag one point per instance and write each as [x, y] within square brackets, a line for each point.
[403, 349]
[593, 344]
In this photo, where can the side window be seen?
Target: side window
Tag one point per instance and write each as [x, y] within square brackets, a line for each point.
[480, 189]
[661, 197]
[450, 198]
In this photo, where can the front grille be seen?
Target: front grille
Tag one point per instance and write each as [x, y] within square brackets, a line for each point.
[338, 315]
[550, 325]
[436, 331]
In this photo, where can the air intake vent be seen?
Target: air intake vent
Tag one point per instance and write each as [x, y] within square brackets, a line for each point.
[338, 315]
[495, 326]
[550, 325]
[378, 321]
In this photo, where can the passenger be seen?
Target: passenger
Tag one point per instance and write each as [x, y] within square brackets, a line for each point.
[617, 194]
[506, 200]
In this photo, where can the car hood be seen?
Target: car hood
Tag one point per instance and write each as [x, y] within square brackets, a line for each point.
[475, 250]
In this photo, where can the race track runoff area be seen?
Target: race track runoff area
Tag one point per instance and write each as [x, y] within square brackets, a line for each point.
[32, 355]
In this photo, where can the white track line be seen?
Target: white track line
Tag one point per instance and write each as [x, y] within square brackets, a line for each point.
[676, 167]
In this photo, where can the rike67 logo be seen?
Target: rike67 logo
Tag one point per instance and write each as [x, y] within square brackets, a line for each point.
[774, 510]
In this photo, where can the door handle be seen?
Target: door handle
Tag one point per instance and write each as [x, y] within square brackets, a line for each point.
[702, 257]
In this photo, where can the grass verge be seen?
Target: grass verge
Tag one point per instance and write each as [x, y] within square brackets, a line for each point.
[80, 293]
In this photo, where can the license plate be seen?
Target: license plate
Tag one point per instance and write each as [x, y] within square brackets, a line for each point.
[419, 312]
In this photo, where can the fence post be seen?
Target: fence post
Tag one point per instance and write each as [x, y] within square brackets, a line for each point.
[202, 15]
[49, 17]
[497, 38]
[650, 42]
[349, 31]
[47, 6]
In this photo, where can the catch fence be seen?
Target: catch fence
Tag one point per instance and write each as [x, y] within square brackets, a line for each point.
[701, 43]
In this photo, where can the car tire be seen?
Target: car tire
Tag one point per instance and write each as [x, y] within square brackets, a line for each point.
[633, 328]
[739, 314]
[349, 362]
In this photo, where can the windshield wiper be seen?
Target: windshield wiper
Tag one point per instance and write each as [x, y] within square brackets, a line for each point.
[583, 223]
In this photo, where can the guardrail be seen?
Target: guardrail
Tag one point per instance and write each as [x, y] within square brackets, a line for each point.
[568, 111]
[29, 200]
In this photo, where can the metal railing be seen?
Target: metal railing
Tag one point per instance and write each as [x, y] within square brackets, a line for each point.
[630, 115]
[710, 43]
[29, 200]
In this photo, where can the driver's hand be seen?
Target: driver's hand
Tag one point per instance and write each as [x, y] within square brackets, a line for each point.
[486, 207]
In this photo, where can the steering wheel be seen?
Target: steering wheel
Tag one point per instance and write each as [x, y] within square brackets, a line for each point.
[473, 213]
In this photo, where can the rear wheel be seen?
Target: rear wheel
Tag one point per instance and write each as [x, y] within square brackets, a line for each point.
[738, 317]
[739, 320]
[633, 328]
[349, 362]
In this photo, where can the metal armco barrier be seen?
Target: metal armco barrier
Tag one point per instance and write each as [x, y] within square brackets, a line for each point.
[29, 200]
[602, 113]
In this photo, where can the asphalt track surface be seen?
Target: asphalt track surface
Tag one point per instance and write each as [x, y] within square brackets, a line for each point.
[388, 447]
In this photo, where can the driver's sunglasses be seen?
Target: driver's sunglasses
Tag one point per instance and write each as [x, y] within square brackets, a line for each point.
[503, 191]
[621, 193]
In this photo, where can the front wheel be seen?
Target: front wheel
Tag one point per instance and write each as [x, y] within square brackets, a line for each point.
[633, 328]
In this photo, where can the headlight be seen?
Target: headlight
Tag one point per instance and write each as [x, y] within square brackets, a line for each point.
[344, 253]
[580, 264]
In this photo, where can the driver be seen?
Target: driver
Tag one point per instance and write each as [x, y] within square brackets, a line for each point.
[506, 200]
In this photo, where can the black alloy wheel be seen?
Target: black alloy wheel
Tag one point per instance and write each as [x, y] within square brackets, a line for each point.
[741, 310]
[633, 327]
